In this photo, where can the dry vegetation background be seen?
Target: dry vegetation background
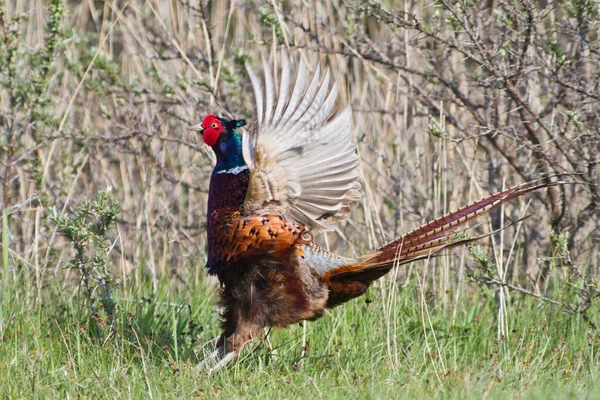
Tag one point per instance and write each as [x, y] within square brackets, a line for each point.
[452, 101]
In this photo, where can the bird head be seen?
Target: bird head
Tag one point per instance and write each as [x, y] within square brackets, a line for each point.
[212, 127]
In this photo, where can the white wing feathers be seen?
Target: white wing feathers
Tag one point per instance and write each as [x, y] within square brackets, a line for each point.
[302, 159]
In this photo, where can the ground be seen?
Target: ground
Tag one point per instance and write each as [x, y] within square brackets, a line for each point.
[363, 349]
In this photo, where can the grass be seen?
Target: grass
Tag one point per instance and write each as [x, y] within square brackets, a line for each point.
[49, 351]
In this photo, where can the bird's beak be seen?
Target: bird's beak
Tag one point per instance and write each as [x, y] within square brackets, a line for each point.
[197, 128]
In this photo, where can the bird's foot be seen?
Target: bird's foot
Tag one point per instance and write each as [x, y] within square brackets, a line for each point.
[209, 360]
[215, 361]
[223, 362]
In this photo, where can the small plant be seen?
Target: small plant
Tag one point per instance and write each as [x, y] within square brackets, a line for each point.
[87, 229]
[269, 19]
[437, 131]
[485, 266]
[25, 105]
[575, 296]
[580, 287]
[573, 117]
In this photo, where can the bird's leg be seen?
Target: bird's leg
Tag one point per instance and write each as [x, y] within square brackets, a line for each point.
[218, 359]
[210, 358]
[228, 347]
[223, 361]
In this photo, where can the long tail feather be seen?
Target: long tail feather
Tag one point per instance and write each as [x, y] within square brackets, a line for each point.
[440, 233]
[423, 242]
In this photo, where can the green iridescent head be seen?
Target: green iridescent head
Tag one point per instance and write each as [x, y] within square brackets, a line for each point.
[224, 137]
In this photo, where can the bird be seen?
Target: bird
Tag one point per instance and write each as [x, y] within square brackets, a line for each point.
[277, 186]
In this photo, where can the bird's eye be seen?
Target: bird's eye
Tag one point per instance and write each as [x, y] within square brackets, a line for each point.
[214, 125]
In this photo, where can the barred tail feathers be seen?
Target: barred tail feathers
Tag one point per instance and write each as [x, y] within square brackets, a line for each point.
[418, 244]
[441, 233]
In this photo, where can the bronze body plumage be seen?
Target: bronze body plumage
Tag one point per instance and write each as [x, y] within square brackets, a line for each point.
[274, 187]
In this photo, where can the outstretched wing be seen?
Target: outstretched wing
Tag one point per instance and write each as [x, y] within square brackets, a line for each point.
[301, 156]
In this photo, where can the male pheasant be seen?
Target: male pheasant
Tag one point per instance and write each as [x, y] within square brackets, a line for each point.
[275, 186]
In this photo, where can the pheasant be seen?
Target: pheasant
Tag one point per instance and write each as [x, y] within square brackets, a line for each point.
[276, 186]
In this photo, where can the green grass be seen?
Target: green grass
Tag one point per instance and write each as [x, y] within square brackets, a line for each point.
[48, 351]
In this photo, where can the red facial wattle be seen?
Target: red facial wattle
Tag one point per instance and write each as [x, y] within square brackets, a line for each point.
[212, 130]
